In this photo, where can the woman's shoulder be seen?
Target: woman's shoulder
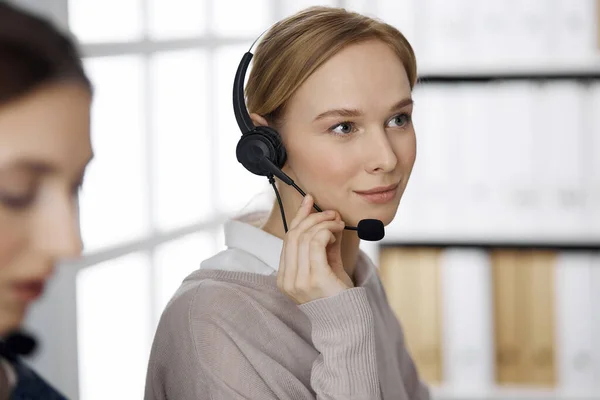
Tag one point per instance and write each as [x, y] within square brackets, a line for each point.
[31, 386]
[226, 283]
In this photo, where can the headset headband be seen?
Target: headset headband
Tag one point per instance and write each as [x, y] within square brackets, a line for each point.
[239, 102]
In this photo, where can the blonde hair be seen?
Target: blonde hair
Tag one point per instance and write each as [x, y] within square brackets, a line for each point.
[296, 46]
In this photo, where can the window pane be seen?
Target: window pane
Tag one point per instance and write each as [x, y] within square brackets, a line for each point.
[106, 20]
[176, 260]
[113, 201]
[292, 6]
[241, 18]
[176, 18]
[113, 312]
[182, 156]
[236, 185]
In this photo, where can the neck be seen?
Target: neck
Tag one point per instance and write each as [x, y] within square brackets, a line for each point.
[350, 240]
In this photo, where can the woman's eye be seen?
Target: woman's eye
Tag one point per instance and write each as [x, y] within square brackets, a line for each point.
[400, 120]
[343, 128]
[17, 202]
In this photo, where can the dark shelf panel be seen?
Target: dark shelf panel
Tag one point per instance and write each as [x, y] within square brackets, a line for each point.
[562, 246]
[541, 77]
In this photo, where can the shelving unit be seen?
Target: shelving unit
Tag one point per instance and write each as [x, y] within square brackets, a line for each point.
[517, 318]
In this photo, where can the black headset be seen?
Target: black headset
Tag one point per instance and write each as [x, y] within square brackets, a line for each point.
[261, 151]
[260, 148]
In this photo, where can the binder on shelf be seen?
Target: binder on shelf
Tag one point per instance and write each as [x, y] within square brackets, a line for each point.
[575, 314]
[574, 29]
[447, 33]
[533, 27]
[595, 318]
[597, 25]
[592, 146]
[524, 317]
[411, 281]
[473, 184]
[490, 37]
[433, 169]
[467, 319]
[513, 145]
[538, 272]
[558, 160]
[508, 344]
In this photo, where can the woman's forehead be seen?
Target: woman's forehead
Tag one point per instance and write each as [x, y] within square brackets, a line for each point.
[46, 131]
[362, 76]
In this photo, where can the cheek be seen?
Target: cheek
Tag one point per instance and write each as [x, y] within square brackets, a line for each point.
[11, 239]
[406, 150]
[328, 165]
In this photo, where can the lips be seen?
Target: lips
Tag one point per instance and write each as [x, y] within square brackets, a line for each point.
[29, 290]
[380, 195]
[379, 189]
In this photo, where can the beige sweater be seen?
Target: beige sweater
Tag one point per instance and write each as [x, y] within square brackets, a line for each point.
[231, 334]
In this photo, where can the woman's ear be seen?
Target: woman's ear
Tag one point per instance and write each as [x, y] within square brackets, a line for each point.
[258, 120]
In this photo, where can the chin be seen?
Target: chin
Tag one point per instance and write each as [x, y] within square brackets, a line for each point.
[10, 320]
[385, 214]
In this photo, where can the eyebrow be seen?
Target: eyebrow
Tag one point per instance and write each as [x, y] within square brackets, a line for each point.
[353, 112]
[36, 167]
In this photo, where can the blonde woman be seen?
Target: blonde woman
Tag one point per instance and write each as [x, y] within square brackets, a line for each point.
[300, 313]
[45, 100]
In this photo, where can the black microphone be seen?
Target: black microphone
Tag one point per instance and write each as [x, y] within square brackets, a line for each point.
[368, 229]
[17, 344]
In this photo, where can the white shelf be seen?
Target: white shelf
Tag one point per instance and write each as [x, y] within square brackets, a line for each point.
[510, 393]
[589, 63]
[489, 237]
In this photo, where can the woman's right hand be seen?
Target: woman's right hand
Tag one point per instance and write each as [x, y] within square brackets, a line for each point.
[310, 265]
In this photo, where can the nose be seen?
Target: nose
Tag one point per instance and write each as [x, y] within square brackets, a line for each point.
[381, 156]
[57, 232]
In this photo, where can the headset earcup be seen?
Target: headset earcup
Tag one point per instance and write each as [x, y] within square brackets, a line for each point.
[275, 139]
[260, 143]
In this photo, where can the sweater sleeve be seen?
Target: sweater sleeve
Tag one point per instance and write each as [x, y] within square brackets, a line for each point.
[343, 333]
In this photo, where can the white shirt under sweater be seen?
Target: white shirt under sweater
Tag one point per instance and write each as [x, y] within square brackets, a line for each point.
[229, 333]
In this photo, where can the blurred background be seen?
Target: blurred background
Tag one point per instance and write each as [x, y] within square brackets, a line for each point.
[493, 262]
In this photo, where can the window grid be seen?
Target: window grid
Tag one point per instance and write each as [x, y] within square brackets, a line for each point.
[147, 47]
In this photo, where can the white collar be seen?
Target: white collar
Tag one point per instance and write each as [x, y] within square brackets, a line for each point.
[243, 233]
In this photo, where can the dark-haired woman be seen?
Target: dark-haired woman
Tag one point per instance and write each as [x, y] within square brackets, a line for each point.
[45, 146]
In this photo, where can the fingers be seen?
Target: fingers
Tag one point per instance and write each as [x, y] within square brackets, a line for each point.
[287, 261]
[313, 241]
[303, 211]
[297, 258]
[317, 239]
[304, 245]
[309, 237]
[303, 221]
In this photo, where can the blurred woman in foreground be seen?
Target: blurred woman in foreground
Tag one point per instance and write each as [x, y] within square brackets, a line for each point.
[45, 145]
